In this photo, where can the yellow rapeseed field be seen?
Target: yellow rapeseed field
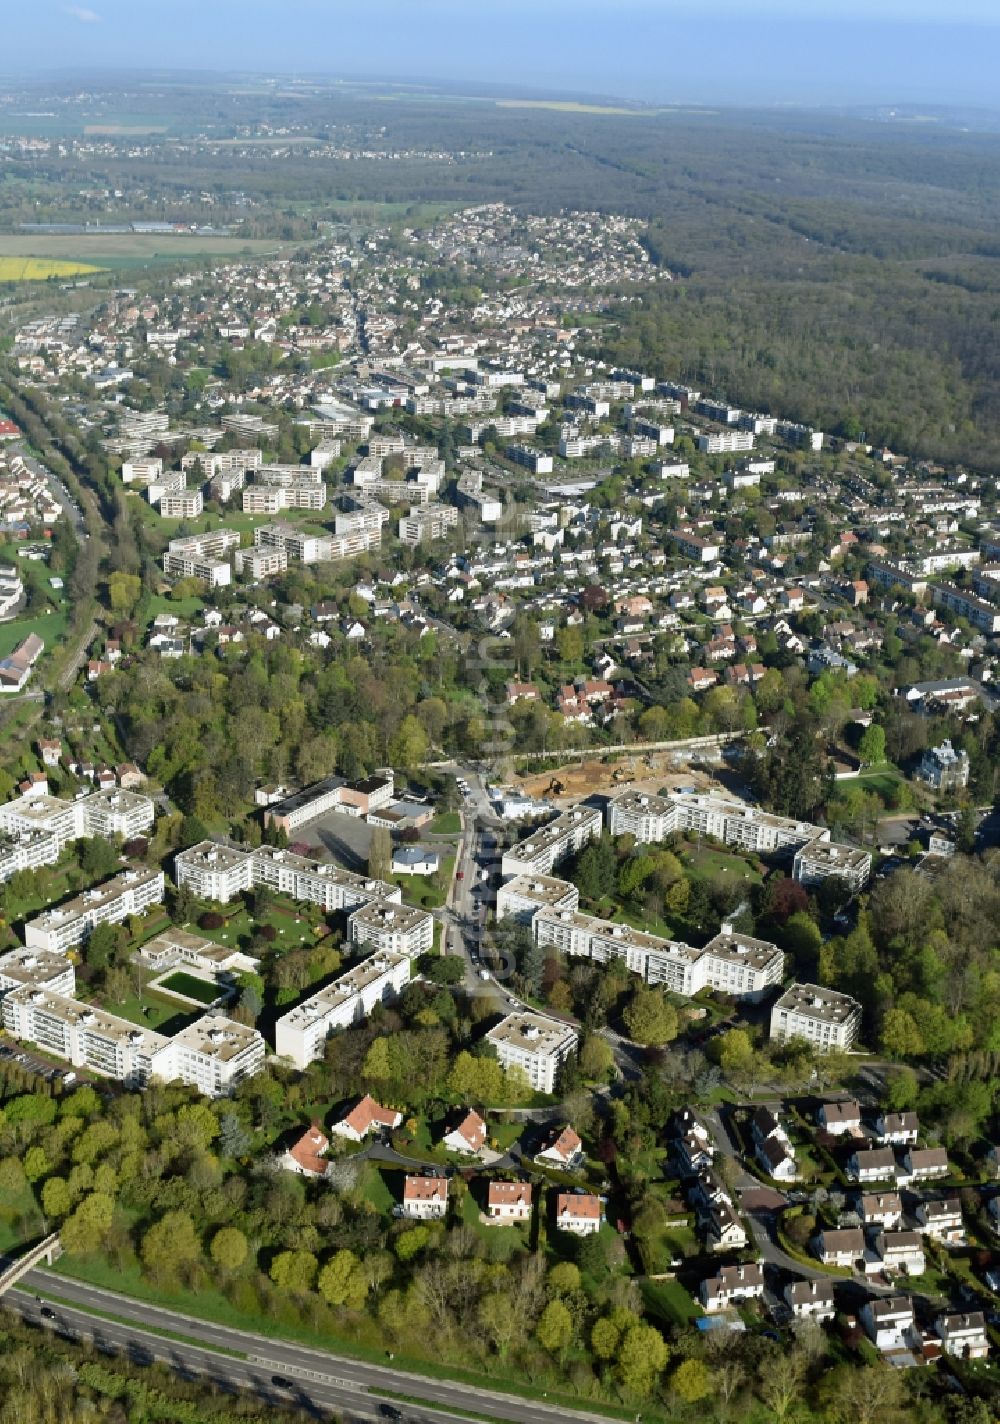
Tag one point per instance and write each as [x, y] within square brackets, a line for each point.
[39, 269]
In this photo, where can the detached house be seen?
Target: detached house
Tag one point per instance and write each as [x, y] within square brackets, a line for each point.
[941, 1220]
[884, 1209]
[876, 1164]
[307, 1156]
[963, 1335]
[889, 1322]
[508, 1201]
[898, 1129]
[563, 1149]
[922, 1164]
[838, 1118]
[366, 1116]
[731, 1283]
[772, 1146]
[578, 1213]
[810, 1300]
[899, 1251]
[425, 1198]
[840, 1248]
[468, 1136]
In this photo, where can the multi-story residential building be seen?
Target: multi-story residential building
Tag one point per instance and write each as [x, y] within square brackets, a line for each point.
[522, 897]
[182, 504]
[102, 813]
[26, 851]
[117, 813]
[68, 924]
[81, 1035]
[536, 1044]
[982, 615]
[178, 563]
[300, 1034]
[401, 929]
[944, 768]
[824, 1017]
[272, 499]
[539, 852]
[216, 872]
[653, 818]
[212, 1054]
[725, 442]
[427, 522]
[260, 564]
[820, 860]
[37, 969]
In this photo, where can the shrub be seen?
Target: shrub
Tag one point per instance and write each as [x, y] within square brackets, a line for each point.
[211, 920]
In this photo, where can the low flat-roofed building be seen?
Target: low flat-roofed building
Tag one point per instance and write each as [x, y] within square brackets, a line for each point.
[175, 947]
[399, 929]
[536, 1044]
[300, 1034]
[823, 1017]
[821, 860]
[129, 893]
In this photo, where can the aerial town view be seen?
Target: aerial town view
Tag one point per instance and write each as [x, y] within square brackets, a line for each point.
[499, 714]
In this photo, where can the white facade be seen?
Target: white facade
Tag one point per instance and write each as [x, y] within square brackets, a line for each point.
[217, 872]
[823, 1017]
[399, 929]
[535, 1044]
[538, 853]
[300, 1034]
[129, 893]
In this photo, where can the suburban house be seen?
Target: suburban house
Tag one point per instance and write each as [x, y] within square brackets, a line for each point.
[307, 1155]
[899, 1251]
[468, 1136]
[810, 1300]
[875, 1164]
[578, 1212]
[838, 1118]
[941, 1220]
[731, 1283]
[964, 1335]
[889, 1322]
[562, 1149]
[840, 1248]
[692, 1142]
[425, 1198]
[509, 1201]
[366, 1116]
[883, 1209]
[772, 1146]
[924, 1163]
[415, 860]
[897, 1129]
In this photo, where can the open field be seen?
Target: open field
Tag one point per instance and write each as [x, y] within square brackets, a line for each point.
[112, 249]
[49, 627]
[40, 269]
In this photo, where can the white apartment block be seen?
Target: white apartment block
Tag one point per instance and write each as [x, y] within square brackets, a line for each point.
[300, 1034]
[217, 872]
[823, 1017]
[81, 1035]
[725, 442]
[117, 813]
[69, 924]
[522, 897]
[272, 499]
[821, 860]
[732, 963]
[427, 522]
[653, 818]
[182, 504]
[258, 564]
[26, 851]
[398, 929]
[212, 1054]
[102, 813]
[36, 969]
[215, 572]
[536, 1044]
[539, 852]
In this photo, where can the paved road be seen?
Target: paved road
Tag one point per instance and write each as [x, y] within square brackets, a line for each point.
[322, 1379]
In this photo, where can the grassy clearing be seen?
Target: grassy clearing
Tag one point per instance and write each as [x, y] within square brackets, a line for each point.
[447, 824]
[50, 627]
[669, 1301]
[108, 247]
[704, 863]
[422, 890]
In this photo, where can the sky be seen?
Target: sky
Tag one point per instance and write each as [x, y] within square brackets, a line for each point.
[701, 51]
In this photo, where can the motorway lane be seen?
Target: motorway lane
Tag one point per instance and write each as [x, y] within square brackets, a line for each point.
[329, 1374]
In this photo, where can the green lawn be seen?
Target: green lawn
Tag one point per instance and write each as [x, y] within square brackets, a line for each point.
[882, 782]
[372, 1187]
[148, 1010]
[670, 1302]
[447, 824]
[422, 890]
[186, 608]
[192, 987]
[50, 627]
[706, 863]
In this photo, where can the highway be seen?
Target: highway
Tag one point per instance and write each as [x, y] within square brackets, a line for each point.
[320, 1382]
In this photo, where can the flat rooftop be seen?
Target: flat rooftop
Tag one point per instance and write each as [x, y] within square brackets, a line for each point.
[75, 1014]
[95, 897]
[555, 831]
[336, 993]
[378, 915]
[617, 933]
[32, 967]
[210, 855]
[817, 1002]
[832, 854]
[542, 889]
[533, 1033]
[743, 949]
[214, 1036]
